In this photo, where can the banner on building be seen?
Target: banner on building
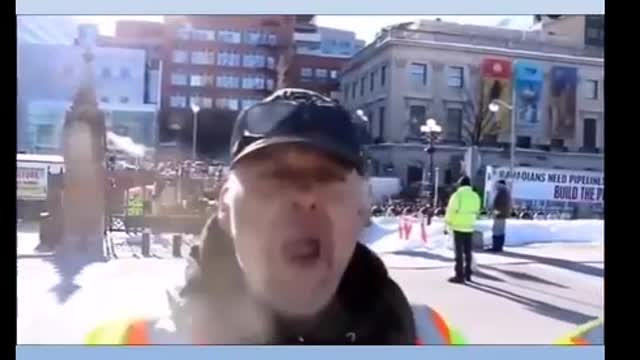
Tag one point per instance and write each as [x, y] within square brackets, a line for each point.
[528, 80]
[496, 84]
[31, 181]
[562, 107]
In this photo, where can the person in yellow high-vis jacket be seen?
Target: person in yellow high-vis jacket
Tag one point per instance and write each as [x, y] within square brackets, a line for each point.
[280, 262]
[462, 213]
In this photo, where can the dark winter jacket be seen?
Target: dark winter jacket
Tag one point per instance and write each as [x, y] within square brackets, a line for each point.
[502, 203]
[369, 307]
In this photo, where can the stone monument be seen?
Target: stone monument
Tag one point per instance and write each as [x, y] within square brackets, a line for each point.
[84, 147]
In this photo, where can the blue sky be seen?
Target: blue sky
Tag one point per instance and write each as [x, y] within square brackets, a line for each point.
[365, 27]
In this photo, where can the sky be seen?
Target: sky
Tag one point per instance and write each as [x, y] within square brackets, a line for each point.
[365, 27]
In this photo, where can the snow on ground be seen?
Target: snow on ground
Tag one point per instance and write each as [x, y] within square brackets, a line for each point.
[384, 234]
[575, 240]
[58, 308]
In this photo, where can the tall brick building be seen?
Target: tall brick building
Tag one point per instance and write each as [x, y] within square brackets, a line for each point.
[223, 61]
[222, 64]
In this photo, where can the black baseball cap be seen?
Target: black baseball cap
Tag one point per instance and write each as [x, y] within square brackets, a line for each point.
[296, 116]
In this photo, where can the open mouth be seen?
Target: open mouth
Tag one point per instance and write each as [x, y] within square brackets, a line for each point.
[303, 251]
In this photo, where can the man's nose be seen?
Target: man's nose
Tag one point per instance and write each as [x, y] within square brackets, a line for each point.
[305, 195]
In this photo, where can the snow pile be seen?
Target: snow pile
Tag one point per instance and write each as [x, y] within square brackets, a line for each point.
[523, 232]
[400, 234]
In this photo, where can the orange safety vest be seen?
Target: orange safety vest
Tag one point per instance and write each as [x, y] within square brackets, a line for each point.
[433, 331]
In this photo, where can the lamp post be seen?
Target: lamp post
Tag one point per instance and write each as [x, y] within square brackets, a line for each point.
[431, 129]
[195, 108]
[494, 107]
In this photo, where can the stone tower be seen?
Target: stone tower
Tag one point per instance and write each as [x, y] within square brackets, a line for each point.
[84, 146]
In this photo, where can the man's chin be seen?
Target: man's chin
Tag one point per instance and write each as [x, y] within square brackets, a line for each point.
[302, 308]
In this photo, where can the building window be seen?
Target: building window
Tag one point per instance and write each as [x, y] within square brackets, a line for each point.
[229, 36]
[203, 58]
[455, 76]
[178, 101]
[106, 73]
[253, 82]
[45, 135]
[381, 112]
[247, 103]
[417, 118]
[178, 79]
[196, 80]
[372, 80]
[589, 132]
[253, 61]
[125, 73]
[333, 74]
[206, 102]
[419, 74]
[180, 56]
[271, 62]
[270, 84]
[124, 99]
[228, 82]
[383, 75]
[183, 33]
[104, 99]
[202, 101]
[417, 113]
[203, 35]
[345, 90]
[454, 124]
[253, 37]
[362, 83]
[195, 100]
[272, 39]
[353, 89]
[591, 89]
[235, 59]
[321, 73]
[229, 59]
[228, 103]
[306, 72]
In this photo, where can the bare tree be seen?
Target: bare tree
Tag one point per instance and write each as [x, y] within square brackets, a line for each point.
[479, 121]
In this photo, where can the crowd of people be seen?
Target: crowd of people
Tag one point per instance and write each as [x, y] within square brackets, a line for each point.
[188, 168]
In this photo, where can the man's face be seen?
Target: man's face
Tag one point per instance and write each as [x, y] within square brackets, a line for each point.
[293, 214]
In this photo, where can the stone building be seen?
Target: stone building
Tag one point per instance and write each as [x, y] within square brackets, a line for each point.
[432, 69]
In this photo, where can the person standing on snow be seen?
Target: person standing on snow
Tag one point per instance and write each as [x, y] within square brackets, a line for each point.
[279, 261]
[501, 211]
[462, 213]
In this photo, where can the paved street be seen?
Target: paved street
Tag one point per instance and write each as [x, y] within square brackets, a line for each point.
[525, 302]
[529, 295]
